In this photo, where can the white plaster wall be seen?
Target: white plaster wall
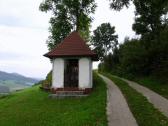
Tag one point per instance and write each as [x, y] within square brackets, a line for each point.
[91, 74]
[58, 73]
[85, 73]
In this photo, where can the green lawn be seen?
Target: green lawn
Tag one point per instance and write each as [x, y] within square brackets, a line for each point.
[32, 107]
[160, 88]
[143, 111]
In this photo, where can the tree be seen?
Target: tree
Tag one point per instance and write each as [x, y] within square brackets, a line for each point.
[104, 40]
[148, 15]
[68, 15]
[119, 4]
[148, 55]
[133, 57]
[158, 55]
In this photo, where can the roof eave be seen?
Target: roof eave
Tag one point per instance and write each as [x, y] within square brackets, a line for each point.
[93, 57]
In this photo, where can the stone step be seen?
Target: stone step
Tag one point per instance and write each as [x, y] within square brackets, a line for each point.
[70, 92]
[60, 96]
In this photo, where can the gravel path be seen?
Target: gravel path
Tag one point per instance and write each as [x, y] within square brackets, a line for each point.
[157, 100]
[118, 111]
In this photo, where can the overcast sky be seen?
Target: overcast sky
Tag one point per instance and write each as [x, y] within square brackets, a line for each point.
[24, 31]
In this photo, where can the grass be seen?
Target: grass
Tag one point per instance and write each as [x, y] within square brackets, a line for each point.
[143, 111]
[157, 86]
[32, 107]
[3, 95]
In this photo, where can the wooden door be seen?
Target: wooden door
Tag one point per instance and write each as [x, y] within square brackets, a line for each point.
[71, 73]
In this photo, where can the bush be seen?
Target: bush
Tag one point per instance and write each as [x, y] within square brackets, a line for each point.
[47, 83]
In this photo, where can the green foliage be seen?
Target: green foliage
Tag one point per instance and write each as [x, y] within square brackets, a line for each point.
[147, 56]
[119, 4]
[46, 84]
[144, 112]
[49, 77]
[110, 62]
[104, 40]
[32, 107]
[68, 15]
[148, 17]
[128, 58]
[132, 57]
[158, 55]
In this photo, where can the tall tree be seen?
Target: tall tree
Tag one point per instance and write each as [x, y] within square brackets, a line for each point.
[68, 15]
[149, 54]
[148, 15]
[104, 39]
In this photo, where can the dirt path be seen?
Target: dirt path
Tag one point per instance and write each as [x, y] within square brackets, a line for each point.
[118, 111]
[157, 100]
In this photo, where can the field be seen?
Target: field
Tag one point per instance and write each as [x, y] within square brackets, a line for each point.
[32, 107]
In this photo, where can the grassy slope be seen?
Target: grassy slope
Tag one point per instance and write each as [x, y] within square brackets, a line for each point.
[152, 83]
[12, 85]
[160, 88]
[144, 112]
[32, 107]
[2, 96]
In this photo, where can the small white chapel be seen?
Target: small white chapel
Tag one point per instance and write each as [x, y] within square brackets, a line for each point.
[72, 65]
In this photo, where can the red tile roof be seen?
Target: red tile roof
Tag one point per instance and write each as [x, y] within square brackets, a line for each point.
[72, 46]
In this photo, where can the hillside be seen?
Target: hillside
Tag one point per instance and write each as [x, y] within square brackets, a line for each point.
[15, 81]
[32, 107]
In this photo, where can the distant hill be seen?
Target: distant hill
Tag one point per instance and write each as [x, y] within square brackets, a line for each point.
[16, 81]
